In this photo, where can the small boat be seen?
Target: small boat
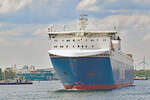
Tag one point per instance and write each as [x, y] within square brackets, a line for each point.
[140, 78]
[15, 82]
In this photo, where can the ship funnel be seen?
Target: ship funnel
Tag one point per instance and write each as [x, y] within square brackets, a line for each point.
[83, 21]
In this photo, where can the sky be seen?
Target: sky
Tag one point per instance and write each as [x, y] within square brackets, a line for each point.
[24, 23]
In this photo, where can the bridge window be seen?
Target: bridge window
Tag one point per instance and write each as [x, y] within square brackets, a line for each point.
[86, 46]
[55, 40]
[68, 40]
[82, 46]
[73, 40]
[61, 46]
[55, 46]
[53, 36]
[104, 39]
[78, 46]
[66, 46]
[92, 40]
[73, 46]
[92, 46]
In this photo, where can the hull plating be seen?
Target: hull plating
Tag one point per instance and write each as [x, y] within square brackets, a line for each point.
[96, 87]
[92, 73]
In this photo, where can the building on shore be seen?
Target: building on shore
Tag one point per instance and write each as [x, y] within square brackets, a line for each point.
[28, 72]
[38, 75]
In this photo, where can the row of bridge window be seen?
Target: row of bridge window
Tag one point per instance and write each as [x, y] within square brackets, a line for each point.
[78, 46]
[79, 40]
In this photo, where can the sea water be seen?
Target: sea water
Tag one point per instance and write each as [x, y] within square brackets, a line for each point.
[53, 90]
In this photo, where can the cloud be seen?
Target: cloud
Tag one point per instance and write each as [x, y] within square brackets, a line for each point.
[7, 6]
[33, 51]
[142, 2]
[9, 37]
[23, 44]
[147, 37]
[13, 5]
[21, 29]
[46, 7]
[112, 5]
[90, 5]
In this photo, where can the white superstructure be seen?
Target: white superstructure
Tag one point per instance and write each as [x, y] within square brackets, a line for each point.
[84, 43]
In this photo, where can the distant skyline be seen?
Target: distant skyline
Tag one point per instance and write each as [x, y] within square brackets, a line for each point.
[24, 23]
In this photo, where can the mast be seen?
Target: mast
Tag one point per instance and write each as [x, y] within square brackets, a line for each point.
[144, 63]
[83, 21]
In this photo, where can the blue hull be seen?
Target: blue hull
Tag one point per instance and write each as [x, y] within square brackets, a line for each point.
[92, 71]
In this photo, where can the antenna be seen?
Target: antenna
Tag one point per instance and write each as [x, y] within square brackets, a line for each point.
[83, 21]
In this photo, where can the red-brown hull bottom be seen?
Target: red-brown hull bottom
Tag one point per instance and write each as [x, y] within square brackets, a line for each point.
[96, 87]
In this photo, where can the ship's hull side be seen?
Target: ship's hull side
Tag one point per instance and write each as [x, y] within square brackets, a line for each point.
[92, 73]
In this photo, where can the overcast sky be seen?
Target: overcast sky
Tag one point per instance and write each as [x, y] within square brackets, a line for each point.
[24, 23]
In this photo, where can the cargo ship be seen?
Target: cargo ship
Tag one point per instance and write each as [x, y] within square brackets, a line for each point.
[90, 60]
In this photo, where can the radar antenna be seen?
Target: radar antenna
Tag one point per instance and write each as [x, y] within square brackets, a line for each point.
[83, 21]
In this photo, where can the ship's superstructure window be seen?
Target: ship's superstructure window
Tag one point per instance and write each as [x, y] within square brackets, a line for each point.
[53, 36]
[92, 40]
[55, 46]
[61, 46]
[104, 39]
[55, 40]
[68, 40]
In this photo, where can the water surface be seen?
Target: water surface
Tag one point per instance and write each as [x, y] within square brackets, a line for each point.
[53, 90]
